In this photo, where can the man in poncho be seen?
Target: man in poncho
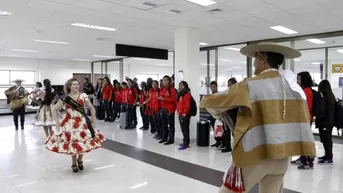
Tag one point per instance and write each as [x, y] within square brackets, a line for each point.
[269, 118]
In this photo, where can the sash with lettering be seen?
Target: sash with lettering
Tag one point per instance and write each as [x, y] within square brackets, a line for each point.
[79, 108]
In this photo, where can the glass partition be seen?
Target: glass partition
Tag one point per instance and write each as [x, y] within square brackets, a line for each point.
[113, 70]
[335, 70]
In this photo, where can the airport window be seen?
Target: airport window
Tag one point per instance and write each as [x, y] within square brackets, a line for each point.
[4, 77]
[28, 76]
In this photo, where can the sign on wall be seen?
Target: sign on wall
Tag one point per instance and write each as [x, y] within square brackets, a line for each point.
[337, 68]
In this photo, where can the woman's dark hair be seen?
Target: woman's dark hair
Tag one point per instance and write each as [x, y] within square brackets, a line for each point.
[39, 84]
[214, 83]
[124, 83]
[274, 59]
[115, 81]
[98, 85]
[306, 79]
[144, 86]
[149, 83]
[184, 91]
[108, 80]
[155, 81]
[325, 88]
[48, 90]
[167, 77]
[233, 80]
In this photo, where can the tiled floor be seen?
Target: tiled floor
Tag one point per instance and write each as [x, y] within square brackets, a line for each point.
[26, 167]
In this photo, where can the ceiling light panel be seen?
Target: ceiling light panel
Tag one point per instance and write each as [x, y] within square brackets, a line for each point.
[22, 50]
[93, 27]
[283, 30]
[316, 41]
[203, 44]
[204, 3]
[51, 42]
[5, 13]
[103, 56]
[340, 51]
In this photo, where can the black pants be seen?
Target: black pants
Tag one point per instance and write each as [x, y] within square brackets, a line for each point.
[116, 110]
[156, 124]
[108, 109]
[184, 123]
[325, 135]
[168, 125]
[100, 111]
[145, 119]
[132, 116]
[306, 160]
[19, 112]
[227, 136]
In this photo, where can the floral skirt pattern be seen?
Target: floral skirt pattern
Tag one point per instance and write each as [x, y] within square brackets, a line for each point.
[44, 117]
[75, 138]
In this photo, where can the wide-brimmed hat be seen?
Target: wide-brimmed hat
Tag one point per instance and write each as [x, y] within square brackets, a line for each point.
[287, 52]
[18, 80]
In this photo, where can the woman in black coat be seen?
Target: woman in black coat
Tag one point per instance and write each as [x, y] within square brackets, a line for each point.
[325, 124]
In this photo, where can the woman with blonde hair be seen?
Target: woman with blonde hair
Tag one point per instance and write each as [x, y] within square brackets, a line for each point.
[76, 134]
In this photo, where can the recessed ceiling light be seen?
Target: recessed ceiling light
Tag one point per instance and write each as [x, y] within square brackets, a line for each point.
[243, 62]
[236, 67]
[297, 59]
[81, 60]
[283, 30]
[316, 63]
[203, 2]
[103, 56]
[316, 41]
[171, 53]
[234, 49]
[93, 27]
[21, 50]
[5, 13]
[203, 44]
[225, 60]
[10, 55]
[50, 42]
[340, 51]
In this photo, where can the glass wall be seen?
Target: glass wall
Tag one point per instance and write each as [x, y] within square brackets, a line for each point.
[113, 70]
[231, 63]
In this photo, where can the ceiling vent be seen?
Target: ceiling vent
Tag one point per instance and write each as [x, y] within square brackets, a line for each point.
[174, 11]
[216, 10]
[149, 4]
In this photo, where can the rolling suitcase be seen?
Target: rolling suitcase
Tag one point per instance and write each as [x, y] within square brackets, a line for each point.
[124, 124]
[203, 133]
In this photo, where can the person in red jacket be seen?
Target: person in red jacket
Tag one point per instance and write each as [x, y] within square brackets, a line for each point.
[155, 107]
[117, 100]
[107, 91]
[143, 97]
[183, 109]
[132, 99]
[306, 83]
[168, 106]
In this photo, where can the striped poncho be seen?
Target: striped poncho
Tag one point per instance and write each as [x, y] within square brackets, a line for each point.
[272, 120]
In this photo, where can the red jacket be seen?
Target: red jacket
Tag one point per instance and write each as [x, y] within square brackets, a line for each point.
[184, 104]
[309, 100]
[154, 103]
[107, 91]
[117, 95]
[169, 101]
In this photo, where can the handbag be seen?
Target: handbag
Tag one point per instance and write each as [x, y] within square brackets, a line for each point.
[79, 108]
[219, 131]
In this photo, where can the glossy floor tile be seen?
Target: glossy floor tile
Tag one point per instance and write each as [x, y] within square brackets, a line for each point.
[132, 162]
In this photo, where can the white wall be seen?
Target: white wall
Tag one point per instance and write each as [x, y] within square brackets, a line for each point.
[132, 70]
[57, 71]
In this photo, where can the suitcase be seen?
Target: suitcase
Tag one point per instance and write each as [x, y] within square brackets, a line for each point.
[203, 133]
[123, 120]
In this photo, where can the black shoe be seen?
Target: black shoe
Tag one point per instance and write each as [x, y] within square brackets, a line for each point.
[305, 167]
[106, 120]
[227, 150]
[296, 162]
[16, 128]
[325, 161]
[217, 144]
[169, 143]
[162, 141]
[222, 146]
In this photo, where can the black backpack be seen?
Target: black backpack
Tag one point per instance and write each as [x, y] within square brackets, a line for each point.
[318, 105]
[339, 114]
[193, 107]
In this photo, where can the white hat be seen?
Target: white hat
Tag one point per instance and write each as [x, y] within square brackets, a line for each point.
[18, 80]
[287, 52]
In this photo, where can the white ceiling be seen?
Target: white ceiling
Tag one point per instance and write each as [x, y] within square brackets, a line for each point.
[240, 21]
